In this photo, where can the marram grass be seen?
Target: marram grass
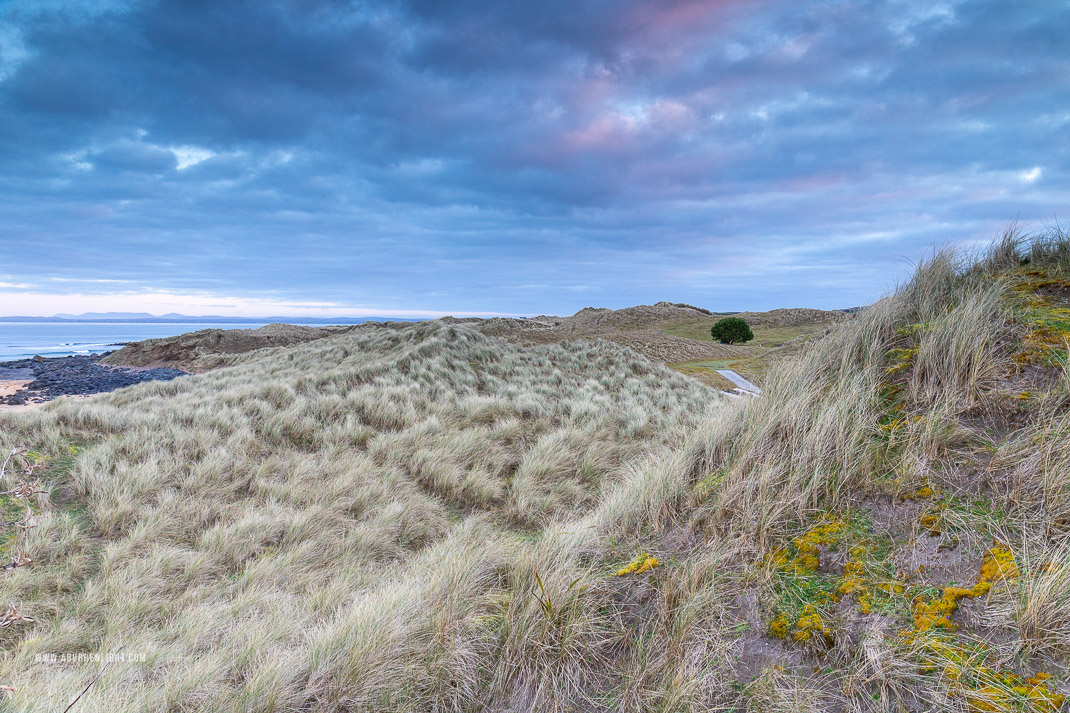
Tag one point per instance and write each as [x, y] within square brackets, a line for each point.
[426, 519]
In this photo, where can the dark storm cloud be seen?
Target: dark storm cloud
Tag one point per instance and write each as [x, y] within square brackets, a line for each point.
[524, 157]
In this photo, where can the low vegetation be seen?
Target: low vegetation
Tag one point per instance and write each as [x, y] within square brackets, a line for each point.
[429, 519]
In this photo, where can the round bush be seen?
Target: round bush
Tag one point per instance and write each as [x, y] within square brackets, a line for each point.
[731, 330]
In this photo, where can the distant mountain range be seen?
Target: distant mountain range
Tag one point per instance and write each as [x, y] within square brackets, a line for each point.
[172, 318]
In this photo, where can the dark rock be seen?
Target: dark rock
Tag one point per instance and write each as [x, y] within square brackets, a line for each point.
[75, 375]
[38, 357]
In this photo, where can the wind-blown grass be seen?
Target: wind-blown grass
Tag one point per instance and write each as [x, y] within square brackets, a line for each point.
[337, 523]
[425, 519]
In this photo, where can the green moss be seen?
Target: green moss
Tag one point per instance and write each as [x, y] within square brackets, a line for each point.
[1046, 320]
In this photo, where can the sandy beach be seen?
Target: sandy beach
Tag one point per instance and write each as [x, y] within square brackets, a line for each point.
[9, 387]
[31, 382]
[13, 385]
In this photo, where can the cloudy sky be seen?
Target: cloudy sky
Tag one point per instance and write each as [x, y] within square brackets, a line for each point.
[318, 157]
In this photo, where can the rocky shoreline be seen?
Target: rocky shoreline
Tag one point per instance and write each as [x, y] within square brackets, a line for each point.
[50, 378]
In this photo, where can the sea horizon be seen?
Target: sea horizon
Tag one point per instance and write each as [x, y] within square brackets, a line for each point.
[59, 338]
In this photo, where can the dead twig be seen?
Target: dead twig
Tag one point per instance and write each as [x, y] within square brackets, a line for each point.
[95, 678]
[26, 523]
[13, 615]
[25, 489]
[19, 560]
[17, 450]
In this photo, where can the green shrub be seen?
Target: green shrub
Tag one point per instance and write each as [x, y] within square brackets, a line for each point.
[731, 330]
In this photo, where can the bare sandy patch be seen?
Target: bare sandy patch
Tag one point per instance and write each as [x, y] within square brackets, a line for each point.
[12, 386]
[7, 388]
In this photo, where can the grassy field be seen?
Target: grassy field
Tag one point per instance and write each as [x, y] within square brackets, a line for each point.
[767, 337]
[427, 519]
[770, 344]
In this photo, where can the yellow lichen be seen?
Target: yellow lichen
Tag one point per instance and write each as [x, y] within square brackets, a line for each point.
[643, 563]
[779, 626]
[808, 545]
[897, 424]
[923, 492]
[1044, 339]
[936, 613]
[802, 560]
[931, 523]
[1007, 691]
[998, 565]
[810, 625]
[857, 582]
[903, 359]
[919, 327]
[705, 487]
[981, 687]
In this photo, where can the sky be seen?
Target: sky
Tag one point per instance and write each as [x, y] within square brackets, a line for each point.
[428, 157]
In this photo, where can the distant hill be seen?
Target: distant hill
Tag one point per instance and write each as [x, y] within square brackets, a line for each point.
[208, 348]
[667, 332]
[173, 318]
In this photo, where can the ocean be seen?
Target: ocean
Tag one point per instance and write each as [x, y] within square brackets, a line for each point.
[21, 340]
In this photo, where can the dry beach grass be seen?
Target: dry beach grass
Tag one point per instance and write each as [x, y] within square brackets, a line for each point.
[429, 519]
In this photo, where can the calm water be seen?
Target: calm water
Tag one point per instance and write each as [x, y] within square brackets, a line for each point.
[20, 340]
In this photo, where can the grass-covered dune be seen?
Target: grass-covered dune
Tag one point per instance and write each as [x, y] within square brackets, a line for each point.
[269, 531]
[426, 519]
